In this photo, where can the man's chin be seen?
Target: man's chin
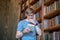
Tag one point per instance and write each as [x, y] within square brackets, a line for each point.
[31, 18]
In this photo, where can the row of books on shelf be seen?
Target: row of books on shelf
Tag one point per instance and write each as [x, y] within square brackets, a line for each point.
[52, 22]
[52, 36]
[55, 20]
[34, 6]
[58, 4]
[37, 5]
[48, 23]
[52, 7]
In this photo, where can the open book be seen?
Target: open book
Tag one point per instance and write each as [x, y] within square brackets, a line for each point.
[31, 26]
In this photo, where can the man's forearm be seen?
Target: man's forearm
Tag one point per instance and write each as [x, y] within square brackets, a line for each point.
[19, 34]
[39, 32]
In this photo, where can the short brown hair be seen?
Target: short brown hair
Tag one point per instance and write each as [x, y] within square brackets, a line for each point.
[29, 10]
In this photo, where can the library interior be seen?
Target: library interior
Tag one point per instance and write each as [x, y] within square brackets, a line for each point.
[46, 12]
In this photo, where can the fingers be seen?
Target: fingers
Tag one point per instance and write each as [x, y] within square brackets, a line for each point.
[26, 30]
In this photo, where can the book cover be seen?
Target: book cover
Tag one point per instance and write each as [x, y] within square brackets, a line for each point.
[45, 24]
[51, 36]
[59, 36]
[41, 13]
[46, 36]
[58, 3]
[52, 22]
[44, 11]
[56, 35]
[56, 20]
[59, 19]
[49, 23]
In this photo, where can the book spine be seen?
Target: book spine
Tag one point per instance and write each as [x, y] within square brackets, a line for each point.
[46, 36]
[59, 36]
[41, 13]
[52, 22]
[56, 35]
[51, 36]
[59, 19]
[56, 20]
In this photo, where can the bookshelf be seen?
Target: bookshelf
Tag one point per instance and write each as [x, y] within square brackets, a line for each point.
[49, 2]
[52, 17]
[48, 16]
[31, 3]
[56, 28]
[52, 14]
[38, 9]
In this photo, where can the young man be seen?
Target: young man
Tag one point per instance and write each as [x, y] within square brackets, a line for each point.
[28, 27]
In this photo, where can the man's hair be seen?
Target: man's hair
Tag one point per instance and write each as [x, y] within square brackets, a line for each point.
[30, 10]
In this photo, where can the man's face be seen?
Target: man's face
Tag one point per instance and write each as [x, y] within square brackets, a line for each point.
[30, 15]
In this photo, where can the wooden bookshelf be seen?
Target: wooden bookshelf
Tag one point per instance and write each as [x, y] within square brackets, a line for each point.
[49, 2]
[31, 3]
[38, 9]
[56, 28]
[52, 14]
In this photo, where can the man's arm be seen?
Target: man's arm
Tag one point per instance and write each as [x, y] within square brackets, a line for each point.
[19, 34]
[19, 30]
[39, 32]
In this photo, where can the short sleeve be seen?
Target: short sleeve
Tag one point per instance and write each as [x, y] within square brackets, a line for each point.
[19, 26]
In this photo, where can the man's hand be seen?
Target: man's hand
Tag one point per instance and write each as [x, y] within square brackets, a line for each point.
[27, 30]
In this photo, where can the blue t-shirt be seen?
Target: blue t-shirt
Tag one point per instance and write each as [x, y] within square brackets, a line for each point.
[28, 36]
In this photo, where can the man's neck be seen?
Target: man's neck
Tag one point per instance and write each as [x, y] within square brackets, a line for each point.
[30, 20]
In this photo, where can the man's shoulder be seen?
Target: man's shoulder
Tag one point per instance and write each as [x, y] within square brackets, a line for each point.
[22, 21]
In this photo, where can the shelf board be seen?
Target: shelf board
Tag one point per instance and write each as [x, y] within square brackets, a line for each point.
[49, 2]
[52, 14]
[31, 3]
[38, 9]
[54, 29]
[39, 20]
